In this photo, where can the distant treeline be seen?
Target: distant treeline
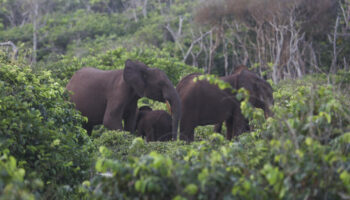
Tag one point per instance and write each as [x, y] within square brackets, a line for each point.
[279, 39]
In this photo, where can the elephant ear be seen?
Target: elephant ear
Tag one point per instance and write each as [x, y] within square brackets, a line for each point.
[134, 76]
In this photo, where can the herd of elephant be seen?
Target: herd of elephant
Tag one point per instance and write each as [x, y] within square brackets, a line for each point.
[110, 98]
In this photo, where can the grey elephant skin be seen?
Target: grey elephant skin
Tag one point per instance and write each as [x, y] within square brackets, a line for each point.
[108, 97]
[154, 125]
[204, 103]
[260, 91]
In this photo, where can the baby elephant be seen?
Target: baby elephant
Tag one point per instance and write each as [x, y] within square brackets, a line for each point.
[154, 124]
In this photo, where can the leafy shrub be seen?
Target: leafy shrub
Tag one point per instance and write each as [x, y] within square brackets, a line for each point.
[68, 27]
[41, 129]
[300, 153]
[121, 145]
[23, 33]
[309, 110]
[305, 140]
[118, 141]
[13, 184]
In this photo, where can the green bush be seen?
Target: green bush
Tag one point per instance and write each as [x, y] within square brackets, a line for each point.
[300, 153]
[121, 145]
[13, 184]
[41, 129]
[18, 34]
[117, 141]
[66, 27]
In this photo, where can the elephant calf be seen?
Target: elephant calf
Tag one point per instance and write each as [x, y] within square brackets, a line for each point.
[155, 125]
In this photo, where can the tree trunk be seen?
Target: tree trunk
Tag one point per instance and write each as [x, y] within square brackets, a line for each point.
[35, 30]
[334, 41]
[144, 8]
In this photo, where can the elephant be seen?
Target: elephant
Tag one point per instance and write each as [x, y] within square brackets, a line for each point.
[204, 103]
[260, 91]
[108, 97]
[155, 125]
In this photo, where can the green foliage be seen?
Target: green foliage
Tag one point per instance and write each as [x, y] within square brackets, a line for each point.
[40, 128]
[117, 141]
[59, 30]
[68, 27]
[213, 79]
[312, 110]
[13, 184]
[283, 158]
[149, 34]
[18, 33]
[122, 145]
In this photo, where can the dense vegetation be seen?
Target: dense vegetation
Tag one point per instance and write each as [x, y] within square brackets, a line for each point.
[302, 47]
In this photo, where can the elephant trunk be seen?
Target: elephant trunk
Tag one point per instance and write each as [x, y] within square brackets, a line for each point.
[174, 100]
[268, 112]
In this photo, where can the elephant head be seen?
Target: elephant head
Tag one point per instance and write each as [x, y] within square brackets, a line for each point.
[154, 84]
[259, 89]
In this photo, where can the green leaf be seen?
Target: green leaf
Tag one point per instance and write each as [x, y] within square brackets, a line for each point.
[191, 189]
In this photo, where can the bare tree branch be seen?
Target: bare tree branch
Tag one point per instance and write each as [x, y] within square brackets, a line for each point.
[13, 46]
[200, 38]
[35, 15]
[334, 42]
[280, 31]
[346, 15]
[144, 8]
[179, 30]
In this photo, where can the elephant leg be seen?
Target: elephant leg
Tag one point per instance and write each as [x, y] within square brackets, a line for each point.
[130, 117]
[218, 128]
[229, 127]
[187, 130]
[148, 137]
[187, 135]
[151, 135]
[112, 118]
[246, 125]
[142, 134]
[88, 127]
[240, 123]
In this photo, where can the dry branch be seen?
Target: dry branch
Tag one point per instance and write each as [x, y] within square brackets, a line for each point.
[13, 46]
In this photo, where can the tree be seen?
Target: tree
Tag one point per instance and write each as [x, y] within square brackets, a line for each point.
[281, 33]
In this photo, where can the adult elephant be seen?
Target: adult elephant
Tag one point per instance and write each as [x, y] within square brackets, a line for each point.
[204, 103]
[260, 91]
[108, 97]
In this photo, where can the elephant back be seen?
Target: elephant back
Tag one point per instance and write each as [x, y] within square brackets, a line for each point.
[185, 81]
